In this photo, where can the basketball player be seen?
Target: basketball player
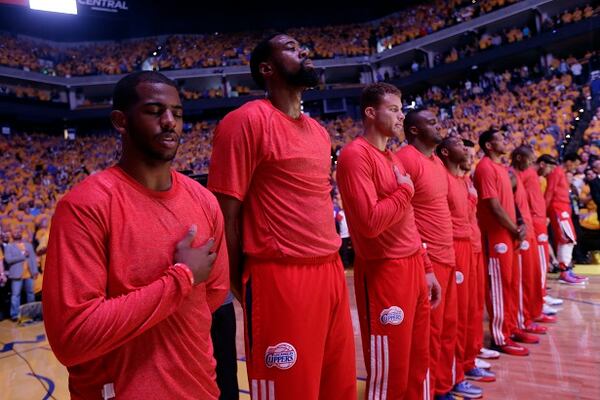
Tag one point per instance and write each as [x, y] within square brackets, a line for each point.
[434, 224]
[393, 278]
[522, 158]
[137, 262]
[270, 171]
[453, 153]
[501, 236]
[559, 211]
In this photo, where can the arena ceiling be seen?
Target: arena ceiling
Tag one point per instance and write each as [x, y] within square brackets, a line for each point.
[146, 18]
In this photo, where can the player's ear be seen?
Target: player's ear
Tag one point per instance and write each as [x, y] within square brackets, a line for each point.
[265, 68]
[370, 112]
[119, 121]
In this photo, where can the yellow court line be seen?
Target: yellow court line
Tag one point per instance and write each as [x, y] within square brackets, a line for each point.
[588, 269]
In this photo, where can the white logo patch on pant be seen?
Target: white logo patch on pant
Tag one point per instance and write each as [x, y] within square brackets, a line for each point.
[460, 278]
[282, 356]
[525, 245]
[392, 316]
[501, 248]
[564, 214]
[542, 237]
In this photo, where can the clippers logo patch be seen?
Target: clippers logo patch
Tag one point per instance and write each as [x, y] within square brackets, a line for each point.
[525, 245]
[282, 356]
[542, 238]
[564, 214]
[391, 316]
[460, 278]
[501, 248]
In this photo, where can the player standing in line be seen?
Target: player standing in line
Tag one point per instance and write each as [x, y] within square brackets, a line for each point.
[127, 301]
[270, 170]
[474, 350]
[522, 158]
[501, 235]
[558, 207]
[527, 278]
[433, 219]
[392, 273]
[453, 153]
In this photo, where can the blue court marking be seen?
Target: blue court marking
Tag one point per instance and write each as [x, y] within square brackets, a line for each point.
[50, 382]
[10, 345]
[244, 391]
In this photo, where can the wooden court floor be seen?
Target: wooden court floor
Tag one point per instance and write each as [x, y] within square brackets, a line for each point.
[565, 365]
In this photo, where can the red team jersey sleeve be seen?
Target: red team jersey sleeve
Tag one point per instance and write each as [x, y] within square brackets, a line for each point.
[486, 181]
[557, 189]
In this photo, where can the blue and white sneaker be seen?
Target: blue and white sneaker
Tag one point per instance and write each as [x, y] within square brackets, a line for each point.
[480, 375]
[466, 390]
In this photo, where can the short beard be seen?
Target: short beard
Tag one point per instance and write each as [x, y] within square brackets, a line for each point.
[305, 77]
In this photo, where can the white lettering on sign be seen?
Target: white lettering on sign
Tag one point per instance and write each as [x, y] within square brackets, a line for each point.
[105, 5]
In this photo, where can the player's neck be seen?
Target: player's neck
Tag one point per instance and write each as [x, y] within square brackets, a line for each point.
[495, 157]
[424, 148]
[286, 100]
[453, 168]
[152, 175]
[375, 138]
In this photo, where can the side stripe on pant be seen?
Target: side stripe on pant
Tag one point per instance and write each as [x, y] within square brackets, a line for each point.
[497, 301]
[380, 365]
[543, 264]
[566, 230]
[426, 387]
[520, 316]
[263, 389]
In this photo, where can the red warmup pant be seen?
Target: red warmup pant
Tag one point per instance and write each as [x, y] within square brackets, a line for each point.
[502, 294]
[393, 309]
[466, 303]
[530, 290]
[443, 331]
[298, 330]
[562, 224]
[541, 234]
[476, 283]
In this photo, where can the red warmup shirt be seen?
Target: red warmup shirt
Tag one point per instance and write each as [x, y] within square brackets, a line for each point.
[523, 205]
[116, 310]
[279, 167]
[492, 181]
[380, 214]
[430, 203]
[557, 188]
[458, 202]
[535, 198]
[475, 232]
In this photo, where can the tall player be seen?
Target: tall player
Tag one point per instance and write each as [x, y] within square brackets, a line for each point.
[501, 235]
[474, 350]
[393, 278]
[127, 302]
[521, 159]
[453, 153]
[559, 211]
[270, 170]
[434, 224]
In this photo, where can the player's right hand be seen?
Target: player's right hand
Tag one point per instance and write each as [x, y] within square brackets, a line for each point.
[199, 259]
[403, 179]
[522, 232]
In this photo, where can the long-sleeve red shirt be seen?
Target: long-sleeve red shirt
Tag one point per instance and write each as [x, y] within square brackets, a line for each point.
[458, 202]
[535, 198]
[379, 211]
[557, 188]
[430, 203]
[116, 310]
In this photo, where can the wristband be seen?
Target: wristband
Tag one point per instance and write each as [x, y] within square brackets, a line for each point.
[187, 270]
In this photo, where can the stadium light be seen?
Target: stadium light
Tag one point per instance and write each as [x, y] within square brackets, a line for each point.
[57, 6]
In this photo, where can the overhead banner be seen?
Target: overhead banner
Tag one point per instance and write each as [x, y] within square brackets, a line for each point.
[105, 6]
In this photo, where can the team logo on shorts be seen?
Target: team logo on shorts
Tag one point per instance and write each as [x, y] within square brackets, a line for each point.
[543, 237]
[392, 316]
[460, 278]
[564, 214]
[501, 248]
[282, 356]
[525, 245]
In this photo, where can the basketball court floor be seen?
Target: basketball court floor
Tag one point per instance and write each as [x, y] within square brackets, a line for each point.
[564, 365]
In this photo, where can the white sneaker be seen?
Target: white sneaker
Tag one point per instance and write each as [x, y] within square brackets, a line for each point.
[546, 309]
[479, 363]
[552, 301]
[488, 354]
